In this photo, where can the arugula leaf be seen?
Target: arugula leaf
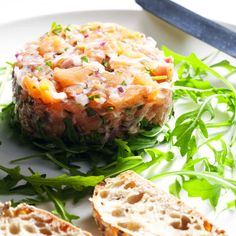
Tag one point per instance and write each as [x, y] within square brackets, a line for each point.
[197, 64]
[175, 188]
[60, 209]
[231, 204]
[37, 184]
[225, 64]
[187, 123]
[135, 163]
[75, 182]
[204, 189]
[213, 177]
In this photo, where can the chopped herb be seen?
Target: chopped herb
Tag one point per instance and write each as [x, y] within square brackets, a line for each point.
[94, 97]
[10, 63]
[48, 63]
[123, 83]
[56, 28]
[159, 77]
[128, 110]
[110, 108]
[39, 68]
[68, 28]
[90, 112]
[84, 59]
[148, 70]
[105, 63]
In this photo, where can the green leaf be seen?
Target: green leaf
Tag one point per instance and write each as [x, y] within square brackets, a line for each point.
[231, 204]
[56, 28]
[175, 188]
[197, 64]
[225, 64]
[203, 128]
[70, 133]
[75, 182]
[204, 189]
[123, 149]
[84, 59]
[60, 209]
[188, 123]
[120, 165]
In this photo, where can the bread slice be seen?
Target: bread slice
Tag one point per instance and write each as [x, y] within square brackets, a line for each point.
[131, 205]
[25, 220]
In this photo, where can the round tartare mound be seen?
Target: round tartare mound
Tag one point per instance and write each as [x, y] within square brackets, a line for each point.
[101, 77]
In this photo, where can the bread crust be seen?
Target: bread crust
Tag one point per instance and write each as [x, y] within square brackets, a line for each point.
[24, 213]
[110, 225]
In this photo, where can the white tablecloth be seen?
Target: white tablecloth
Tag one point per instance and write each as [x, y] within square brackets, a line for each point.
[11, 10]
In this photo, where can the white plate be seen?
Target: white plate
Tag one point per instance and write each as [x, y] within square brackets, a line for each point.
[15, 34]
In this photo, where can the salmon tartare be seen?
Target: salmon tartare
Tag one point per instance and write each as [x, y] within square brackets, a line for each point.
[102, 77]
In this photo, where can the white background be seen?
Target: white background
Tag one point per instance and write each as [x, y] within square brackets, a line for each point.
[11, 10]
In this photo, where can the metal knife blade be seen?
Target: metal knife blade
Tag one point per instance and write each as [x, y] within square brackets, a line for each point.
[200, 27]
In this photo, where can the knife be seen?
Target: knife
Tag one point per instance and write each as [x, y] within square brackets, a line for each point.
[202, 28]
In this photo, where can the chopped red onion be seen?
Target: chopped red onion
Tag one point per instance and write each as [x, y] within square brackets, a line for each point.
[120, 89]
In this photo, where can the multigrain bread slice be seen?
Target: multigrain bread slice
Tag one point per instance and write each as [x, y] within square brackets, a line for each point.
[25, 220]
[130, 205]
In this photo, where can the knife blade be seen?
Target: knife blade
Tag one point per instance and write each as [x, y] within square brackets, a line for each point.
[200, 27]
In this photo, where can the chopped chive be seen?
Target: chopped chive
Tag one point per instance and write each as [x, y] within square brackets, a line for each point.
[123, 83]
[110, 108]
[159, 77]
[68, 28]
[84, 59]
[105, 63]
[94, 97]
[39, 68]
[147, 70]
[48, 63]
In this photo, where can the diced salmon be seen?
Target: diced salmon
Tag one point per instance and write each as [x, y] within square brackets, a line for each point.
[131, 97]
[71, 76]
[112, 80]
[161, 70]
[73, 90]
[47, 88]
[31, 86]
[43, 89]
[144, 80]
[50, 44]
